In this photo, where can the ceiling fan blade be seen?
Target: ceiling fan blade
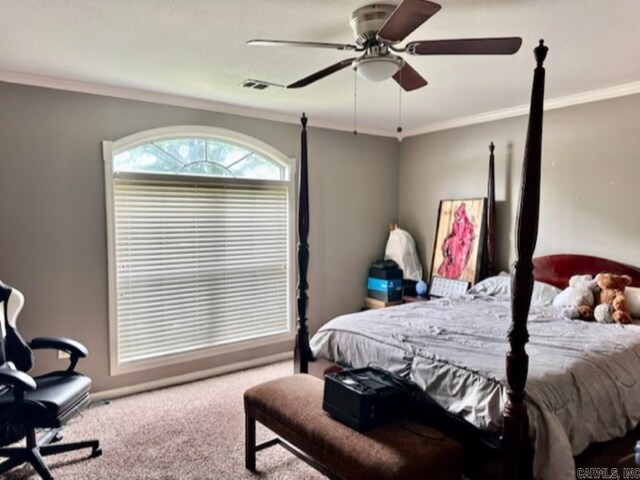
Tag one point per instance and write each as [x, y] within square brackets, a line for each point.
[322, 73]
[466, 46]
[408, 16]
[285, 43]
[408, 78]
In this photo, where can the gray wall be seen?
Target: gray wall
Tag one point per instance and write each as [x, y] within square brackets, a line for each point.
[590, 179]
[53, 225]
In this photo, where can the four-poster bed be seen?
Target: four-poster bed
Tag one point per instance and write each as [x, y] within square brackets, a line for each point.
[515, 436]
[517, 451]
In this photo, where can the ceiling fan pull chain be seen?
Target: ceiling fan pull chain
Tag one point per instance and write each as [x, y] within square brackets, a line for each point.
[399, 129]
[355, 101]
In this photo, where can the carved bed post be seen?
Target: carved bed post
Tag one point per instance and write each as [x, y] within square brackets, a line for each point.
[302, 351]
[515, 432]
[491, 214]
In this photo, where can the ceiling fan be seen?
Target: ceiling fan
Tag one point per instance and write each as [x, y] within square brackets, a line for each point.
[378, 28]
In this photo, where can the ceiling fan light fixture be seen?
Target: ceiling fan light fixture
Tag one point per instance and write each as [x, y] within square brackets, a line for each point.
[377, 28]
[377, 69]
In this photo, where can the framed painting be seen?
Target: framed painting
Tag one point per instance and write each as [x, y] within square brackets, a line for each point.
[460, 237]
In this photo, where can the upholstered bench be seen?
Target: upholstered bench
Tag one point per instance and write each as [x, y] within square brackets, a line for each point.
[291, 407]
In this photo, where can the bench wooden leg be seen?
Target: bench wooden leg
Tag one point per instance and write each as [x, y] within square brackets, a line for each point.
[249, 443]
[251, 447]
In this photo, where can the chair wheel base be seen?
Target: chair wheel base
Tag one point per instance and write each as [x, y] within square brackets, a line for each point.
[96, 452]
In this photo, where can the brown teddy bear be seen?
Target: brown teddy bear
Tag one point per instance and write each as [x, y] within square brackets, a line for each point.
[612, 294]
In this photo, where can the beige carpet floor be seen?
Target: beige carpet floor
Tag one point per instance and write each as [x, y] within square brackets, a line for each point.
[192, 431]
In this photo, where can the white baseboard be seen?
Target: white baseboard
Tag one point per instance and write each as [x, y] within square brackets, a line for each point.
[189, 377]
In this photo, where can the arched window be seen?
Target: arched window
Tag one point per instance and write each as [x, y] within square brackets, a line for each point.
[200, 229]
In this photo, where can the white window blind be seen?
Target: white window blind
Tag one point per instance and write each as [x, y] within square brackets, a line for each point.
[198, 265]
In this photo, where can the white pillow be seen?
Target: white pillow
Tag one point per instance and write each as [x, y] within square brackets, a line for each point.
[633, 301]
[500, 288]
[543, 293]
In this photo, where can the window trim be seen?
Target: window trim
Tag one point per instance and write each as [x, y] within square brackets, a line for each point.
[112, 148]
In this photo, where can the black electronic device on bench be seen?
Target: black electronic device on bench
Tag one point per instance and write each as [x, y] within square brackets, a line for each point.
[364, 398]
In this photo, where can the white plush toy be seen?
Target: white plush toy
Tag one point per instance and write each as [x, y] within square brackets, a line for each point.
[578, 296]
[603, 313]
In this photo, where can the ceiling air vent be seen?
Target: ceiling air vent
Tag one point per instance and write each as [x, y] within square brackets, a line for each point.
[258, 84]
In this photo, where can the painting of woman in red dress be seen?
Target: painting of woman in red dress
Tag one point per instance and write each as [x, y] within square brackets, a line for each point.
[458, 239]
[456, 248]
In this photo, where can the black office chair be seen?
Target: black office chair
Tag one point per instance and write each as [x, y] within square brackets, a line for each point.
[44, 402]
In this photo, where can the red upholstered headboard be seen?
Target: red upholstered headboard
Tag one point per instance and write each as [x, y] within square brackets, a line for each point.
[557, 269]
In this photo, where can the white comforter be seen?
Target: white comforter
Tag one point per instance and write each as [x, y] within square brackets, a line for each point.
[583, 384]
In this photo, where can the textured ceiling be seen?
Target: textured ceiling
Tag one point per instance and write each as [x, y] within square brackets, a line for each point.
[196, 49]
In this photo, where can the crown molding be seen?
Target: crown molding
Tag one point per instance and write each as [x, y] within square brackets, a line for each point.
[550, 104]
[220, 107]
[174, 100]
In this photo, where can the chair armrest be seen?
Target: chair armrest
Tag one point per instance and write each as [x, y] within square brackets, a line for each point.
[72, 347]
[17, 379]
[75, 349]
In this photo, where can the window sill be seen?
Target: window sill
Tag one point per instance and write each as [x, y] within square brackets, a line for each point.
[149, 364]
